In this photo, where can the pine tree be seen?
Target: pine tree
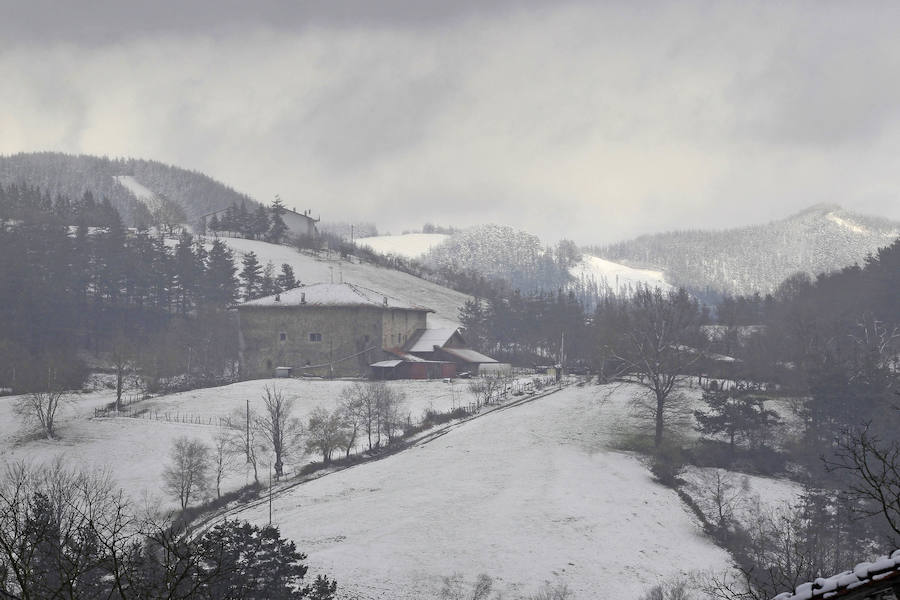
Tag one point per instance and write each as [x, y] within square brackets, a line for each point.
[186, 274]
[286, 280]
[214, 225]
[251, 276]
[278, 229]
[269, 285]
[737, 415]
[260, 223]
[219, 283]
[244, 222]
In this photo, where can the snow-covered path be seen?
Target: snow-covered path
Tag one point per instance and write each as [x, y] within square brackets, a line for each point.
[526, 495]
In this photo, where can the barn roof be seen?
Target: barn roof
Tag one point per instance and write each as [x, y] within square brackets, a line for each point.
[386, 364]
[470, 356]
[424, 340]
[333, 294]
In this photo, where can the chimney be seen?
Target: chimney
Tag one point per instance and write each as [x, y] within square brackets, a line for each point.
[385, 300]
[277, 297]
[302, 297]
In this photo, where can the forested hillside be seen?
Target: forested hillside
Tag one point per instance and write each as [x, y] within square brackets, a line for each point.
[501, 252]
[758, 258]
[70, 176]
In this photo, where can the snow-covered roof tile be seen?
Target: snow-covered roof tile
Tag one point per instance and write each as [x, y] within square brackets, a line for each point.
[427, 339]
[470, 356]
[386, 363]
[333, 294]
[865, 573]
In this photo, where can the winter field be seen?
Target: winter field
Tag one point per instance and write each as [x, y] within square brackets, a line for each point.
[136, 450]
[308, 269]
[408, 245]
[528, 494]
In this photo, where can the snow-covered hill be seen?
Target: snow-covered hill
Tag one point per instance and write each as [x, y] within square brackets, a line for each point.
[408, 245]
[526, 495]
[308, 269]
[125, 181]
[759, 258]
[613, 277]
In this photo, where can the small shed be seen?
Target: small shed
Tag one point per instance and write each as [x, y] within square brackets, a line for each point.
[284, 372]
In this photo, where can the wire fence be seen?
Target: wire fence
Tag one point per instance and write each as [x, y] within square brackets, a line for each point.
[130, 407]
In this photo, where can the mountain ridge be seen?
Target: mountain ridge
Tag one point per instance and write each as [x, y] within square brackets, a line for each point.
[757, 258]
[72, 175]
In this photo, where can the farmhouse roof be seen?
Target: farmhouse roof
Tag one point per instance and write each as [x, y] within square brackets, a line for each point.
[332, 294]
[426, 339]
[470, 356]
[884, 570]
[387, 364]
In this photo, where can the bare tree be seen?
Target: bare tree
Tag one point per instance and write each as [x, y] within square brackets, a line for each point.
[487, 388]
[187, 475]
[122, 357]
[58, 529]
[325, 432]
[874, 466]
[277, 427]
[718, 496]
[222, 457]
[376, 408]
[660, 343]
[370, 396]
[389, 403]
[353, 413]
[41, 407]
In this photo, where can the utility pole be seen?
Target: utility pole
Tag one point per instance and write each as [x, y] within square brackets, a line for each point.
[247, 443]
[270, 494]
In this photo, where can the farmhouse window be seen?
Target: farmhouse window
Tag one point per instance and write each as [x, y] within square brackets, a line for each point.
[315, 337]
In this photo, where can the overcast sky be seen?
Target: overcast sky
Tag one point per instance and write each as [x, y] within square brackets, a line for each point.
[595, 121]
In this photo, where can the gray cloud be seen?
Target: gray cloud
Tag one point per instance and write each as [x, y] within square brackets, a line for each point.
[596, 122]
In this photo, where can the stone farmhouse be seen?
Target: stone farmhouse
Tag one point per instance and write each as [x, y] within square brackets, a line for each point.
[323, 329]
[346, 330]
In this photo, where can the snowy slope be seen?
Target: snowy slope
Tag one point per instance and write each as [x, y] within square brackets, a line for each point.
[136, 451]
[615, 277]
[135, 187]
[525, 495]
[444, 301]
[410, 245]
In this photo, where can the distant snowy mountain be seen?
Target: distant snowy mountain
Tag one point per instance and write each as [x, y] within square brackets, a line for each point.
[758, 258]
[409, 245]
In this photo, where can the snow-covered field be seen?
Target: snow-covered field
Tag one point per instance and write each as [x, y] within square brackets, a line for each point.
[408, 245]
[136, 450]
[615, 276]
[527, 494]
[307, 269]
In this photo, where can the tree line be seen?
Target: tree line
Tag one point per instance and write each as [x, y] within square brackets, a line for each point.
[79, 281]
[259, 224]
